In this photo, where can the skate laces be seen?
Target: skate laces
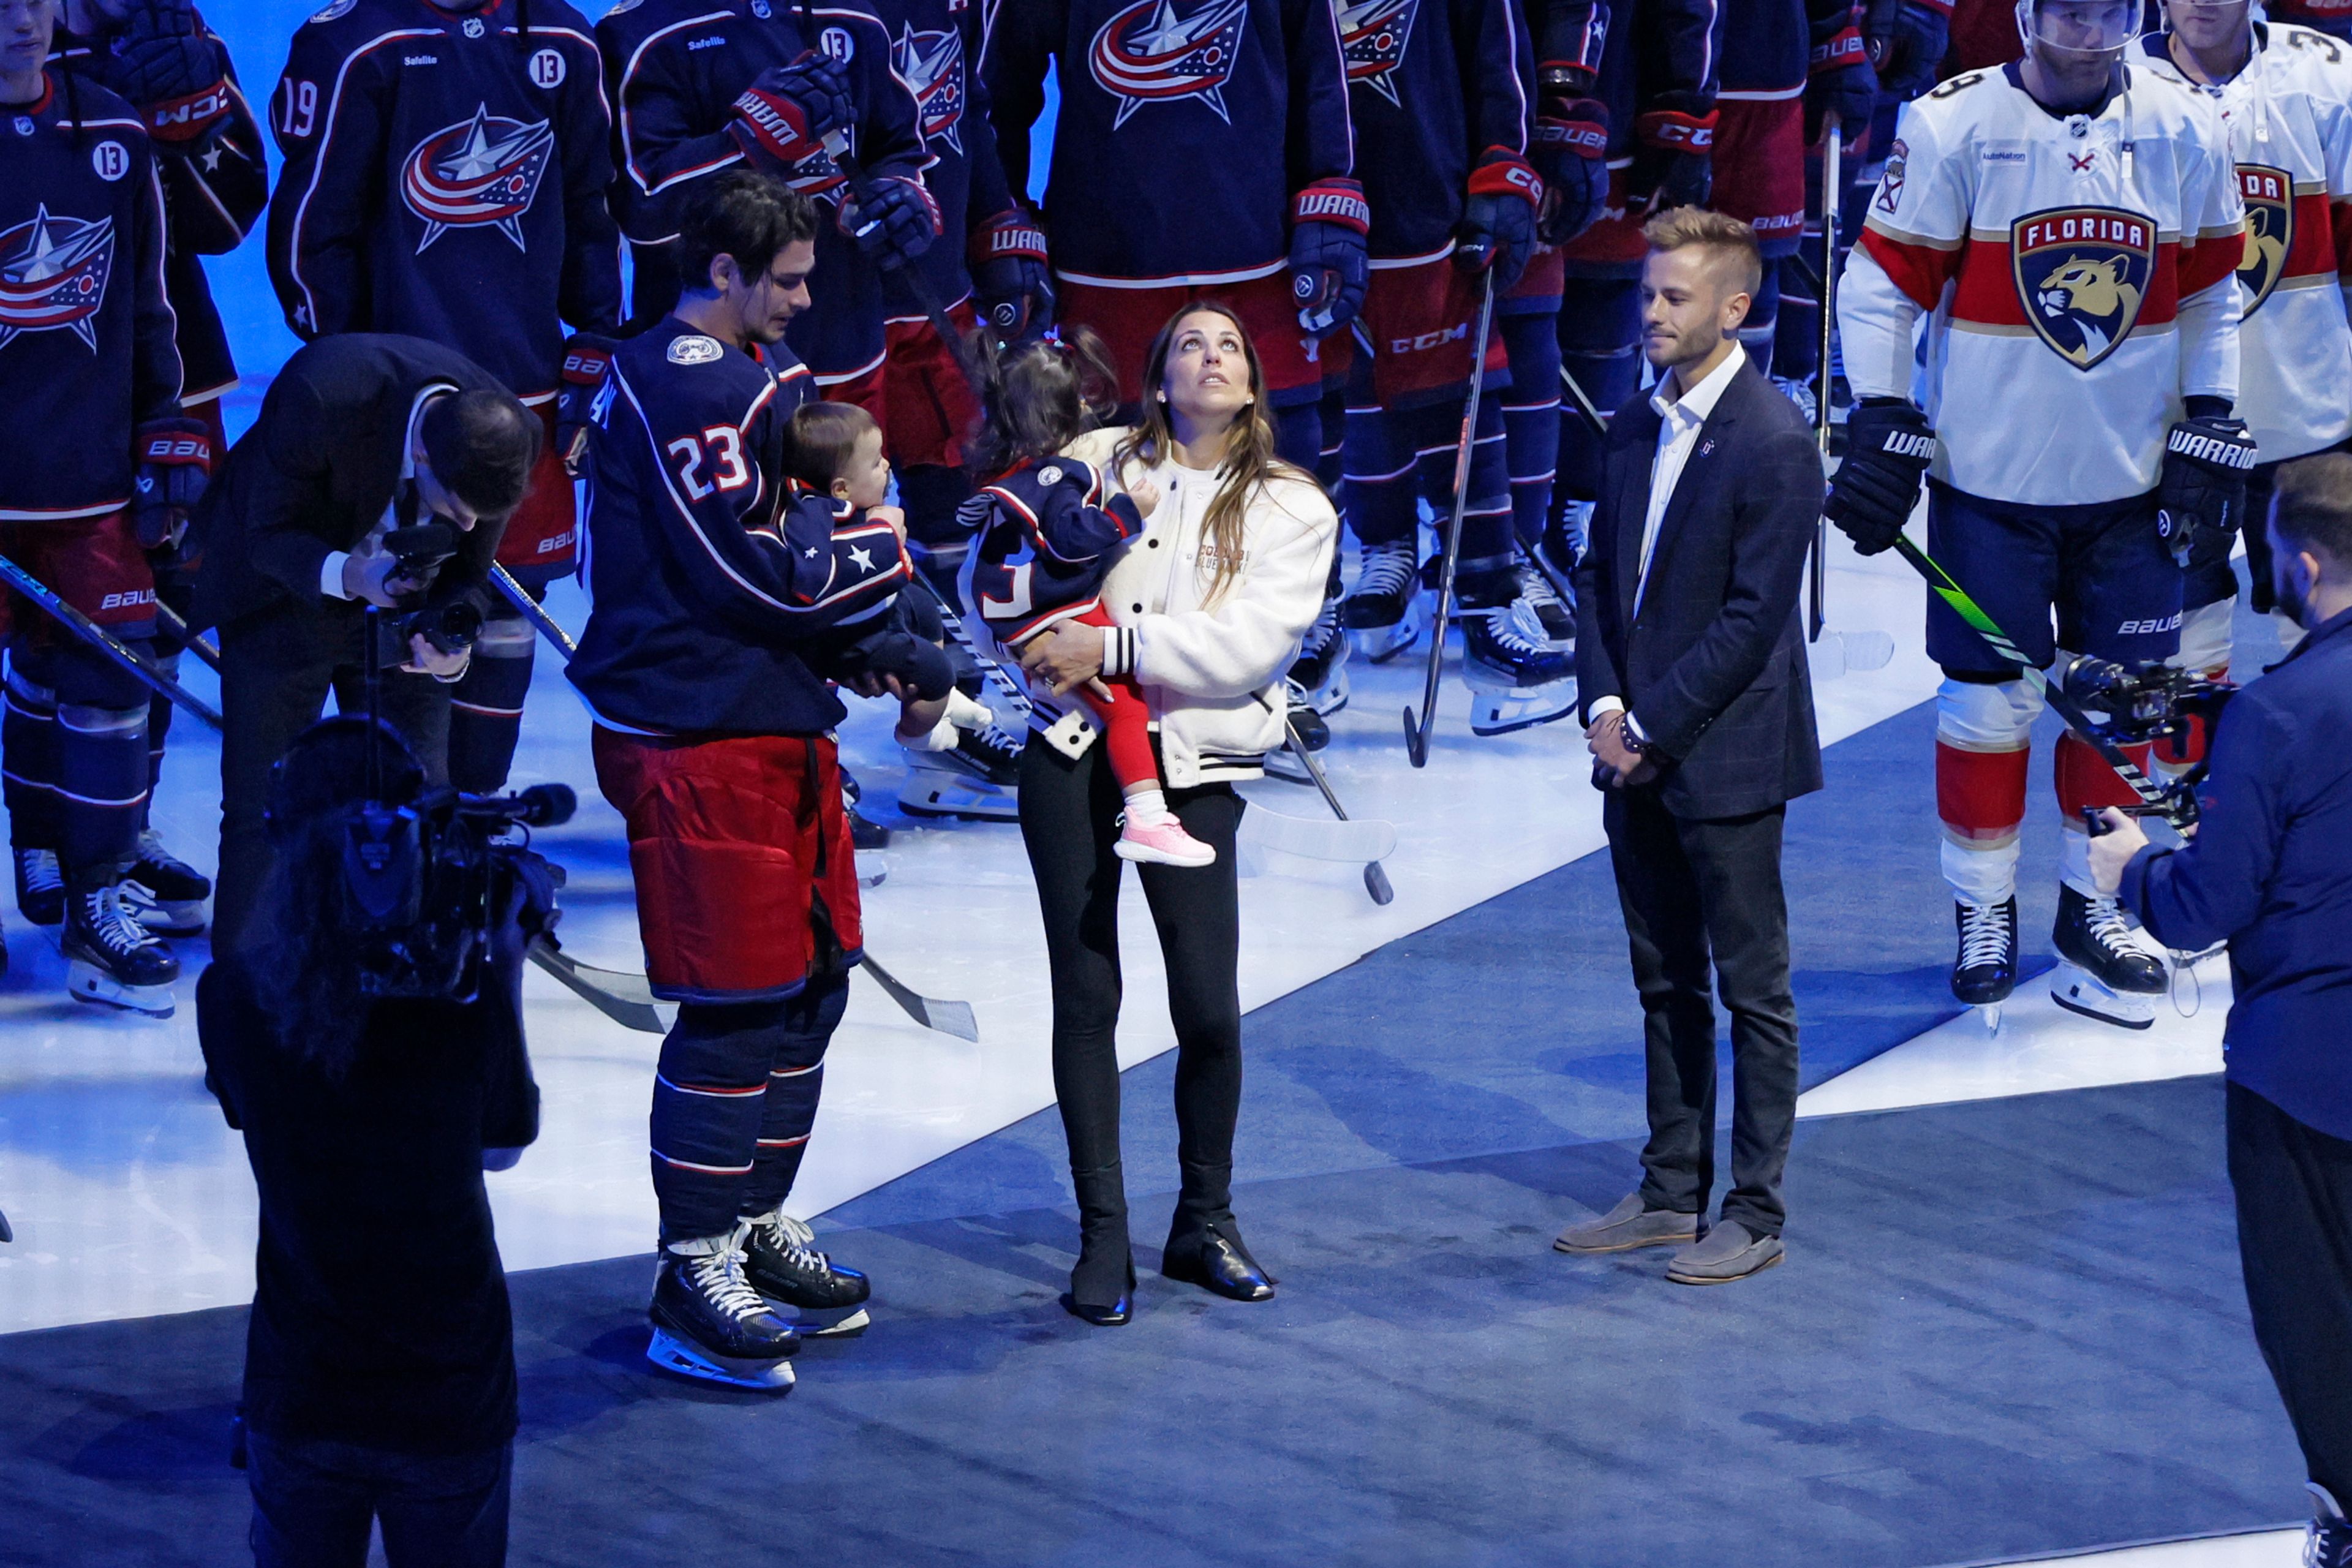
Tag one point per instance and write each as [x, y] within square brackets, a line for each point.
[2104, 922]
[794, 1238]
[718, 1277]
[40, 870]
[1984, 935]
[1389, 569]
[152, 853]
[114, 927]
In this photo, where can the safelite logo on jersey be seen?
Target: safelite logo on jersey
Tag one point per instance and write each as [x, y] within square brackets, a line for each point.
[2081, 274]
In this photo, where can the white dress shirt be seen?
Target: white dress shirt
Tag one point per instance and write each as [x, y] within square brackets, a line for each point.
[331, 570]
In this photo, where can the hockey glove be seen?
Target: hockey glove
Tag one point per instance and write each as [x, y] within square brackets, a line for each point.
[586, 358]
[1911, 51]
[786, 112]
[1571, 150]
[1498, 219]
[1329, 265]
[1674, 155]
[1007, 256]
[163, 62]
[2203, 483]
[175, 459]
[893, 219]
[1888, 447]
[1839, 81]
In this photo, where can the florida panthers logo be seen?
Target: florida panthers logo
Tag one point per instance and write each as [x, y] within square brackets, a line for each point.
[1148, 54]
[2270, 230]
[932, 66]
[479, 172]
[2081, 274]
[53, 273]
[1373, 37]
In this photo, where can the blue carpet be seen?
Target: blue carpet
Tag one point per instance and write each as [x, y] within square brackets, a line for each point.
[2006, 1328]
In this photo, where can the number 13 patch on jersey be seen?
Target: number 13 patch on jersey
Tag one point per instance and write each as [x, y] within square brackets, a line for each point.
[2082, 275]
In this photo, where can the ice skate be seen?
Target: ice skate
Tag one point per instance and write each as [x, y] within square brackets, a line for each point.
[2328, 1538]
[781, 1261]
[162, 893]
[978, 778]
[1800, 393]
[1313, 733]
[1321, 669]
[1160, 841]
[112, 960]
[1383, 613]
[2102, 972]
[1985, 971]
[709, 1322]
[1514, 682]
[1542, 614]
[41, 887]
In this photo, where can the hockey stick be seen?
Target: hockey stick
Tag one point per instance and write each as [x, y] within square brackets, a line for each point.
[531, 610]
[624, 998]
[1585, 409]
[1376, 879]
[1817, 578]
[112, 647]
[948, 1017]
[1416, 736]
[202, 646]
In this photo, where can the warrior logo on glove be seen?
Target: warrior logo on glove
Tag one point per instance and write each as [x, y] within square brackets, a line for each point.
[53, 273]
[483, 172]
[2270, 231]
[932, 66]
[2082, 276]
[1372, 36]
[1149, 54]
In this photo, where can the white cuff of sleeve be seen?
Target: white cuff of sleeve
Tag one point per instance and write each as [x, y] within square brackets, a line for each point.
[331, 574]
[1604, 705]
[1120, 650]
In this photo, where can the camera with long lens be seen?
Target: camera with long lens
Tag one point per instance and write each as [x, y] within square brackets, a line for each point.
[451, 624]
[426, 882]
[2150, 701]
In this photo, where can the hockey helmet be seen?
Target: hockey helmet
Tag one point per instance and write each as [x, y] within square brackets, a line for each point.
[2084, 29]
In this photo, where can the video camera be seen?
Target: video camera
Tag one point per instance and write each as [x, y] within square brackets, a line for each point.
[421, 548]
[2150, 702]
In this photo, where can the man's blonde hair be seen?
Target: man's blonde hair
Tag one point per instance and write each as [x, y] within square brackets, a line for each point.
[1725, 237]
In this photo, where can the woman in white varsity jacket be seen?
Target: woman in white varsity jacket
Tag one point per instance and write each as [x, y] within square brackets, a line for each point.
[1211, 600]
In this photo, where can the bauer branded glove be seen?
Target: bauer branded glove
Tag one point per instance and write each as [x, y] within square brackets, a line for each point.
[174, 461]
[1007, 256]
[163, 62]
[893, 219]
[2203, 483]
[786, 112]
[1889, 444]
[1571, 150]
[586, 357]
[1498, 219]
[1908, 49]
[1329, 264]
[1674, 156]
[1839, 81]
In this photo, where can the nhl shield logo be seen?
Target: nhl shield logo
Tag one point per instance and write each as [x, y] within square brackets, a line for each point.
[1372, 39]
[2270, 230]
[479, 172]
[2081, 274]
[932, 67]
[1148, 53]
[53, 273]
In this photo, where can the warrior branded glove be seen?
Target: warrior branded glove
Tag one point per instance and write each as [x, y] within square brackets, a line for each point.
[893, 219]
[1007, 256]
[1498, 220]
[1674, 155]
[787, 111]
[1908, 48]
[163, 62]
[1330, 265]
[174, 459]
[1889, 444]
[586, 358]
[1571, 150]
[1839, 80]
[2203, 483]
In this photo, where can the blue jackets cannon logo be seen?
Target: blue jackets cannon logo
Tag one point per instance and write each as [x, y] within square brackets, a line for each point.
[932, 67]
[53, 273]
[479, 172]
[2083, 274]
[1149, 54]
[1372, 39]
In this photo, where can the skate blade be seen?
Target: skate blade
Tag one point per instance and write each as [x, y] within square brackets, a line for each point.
[928, 794]
[1502, 710]
[1331, 696]
[1989, 1011]
[2079, 991]
[873, 868]
[848, 1328]
[183, 918]
[674, 1355]
[86, 982]
[1382, 644]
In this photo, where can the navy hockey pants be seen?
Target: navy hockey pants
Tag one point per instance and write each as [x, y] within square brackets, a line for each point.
[75, 743]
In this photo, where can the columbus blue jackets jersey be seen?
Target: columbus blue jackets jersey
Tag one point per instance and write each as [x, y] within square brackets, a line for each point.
[935, 47]
[1045, 537]
[1431, 85]
[445, 177]
[676, 68]
[86, 351]
[1184, 128]
[215, 184]
[1649, 53]
[701, 585]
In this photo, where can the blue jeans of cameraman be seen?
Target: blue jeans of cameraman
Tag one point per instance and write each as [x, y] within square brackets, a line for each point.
[314, 1501]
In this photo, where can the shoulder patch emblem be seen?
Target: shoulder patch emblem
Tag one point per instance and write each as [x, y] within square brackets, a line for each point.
[695, 349]
[1890, 183]
[1049, 476]
[340, 9]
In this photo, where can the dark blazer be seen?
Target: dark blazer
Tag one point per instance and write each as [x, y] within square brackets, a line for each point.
[1714, 665]
[317, 470]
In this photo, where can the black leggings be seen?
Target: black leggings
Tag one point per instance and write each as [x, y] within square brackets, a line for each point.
[1069, 820]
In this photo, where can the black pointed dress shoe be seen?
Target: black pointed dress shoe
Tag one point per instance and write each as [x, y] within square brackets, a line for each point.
[1219, 1264]
[1101, 1315]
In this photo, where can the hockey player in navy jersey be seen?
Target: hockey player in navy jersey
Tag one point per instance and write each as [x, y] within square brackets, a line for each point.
[447, 162]
[2070, 227]
[713, 740]
[161, 57]
[101, 467]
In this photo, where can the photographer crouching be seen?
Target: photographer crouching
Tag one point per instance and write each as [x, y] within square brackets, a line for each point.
[367, 1039]
[2270, 871]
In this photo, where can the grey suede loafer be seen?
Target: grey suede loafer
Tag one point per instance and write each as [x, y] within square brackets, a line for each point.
[1627, 1227]
[1731, 1251]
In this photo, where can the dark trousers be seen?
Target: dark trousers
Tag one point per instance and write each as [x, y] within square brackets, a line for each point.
[313, 1502]
[1696, 892]
[1069, 820]
[2293, 1184]
[277, 668]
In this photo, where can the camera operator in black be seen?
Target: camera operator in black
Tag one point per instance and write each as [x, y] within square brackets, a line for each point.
[379, 1375]
[360, 435]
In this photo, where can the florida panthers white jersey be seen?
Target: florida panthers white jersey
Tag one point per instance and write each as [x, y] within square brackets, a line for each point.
[2079, 274]
[2289, 117]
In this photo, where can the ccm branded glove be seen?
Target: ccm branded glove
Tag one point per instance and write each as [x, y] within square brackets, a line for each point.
[1889, 444]
[893, 218]
[174, 460]
[1007, 256]
[586, 358]
[1330, 265]
[786, 112]
[2203, 482]
[1674, 155]
[1839, 80]
[1909, 47]
[163, 62]
[1571, 150]
[1498, 218]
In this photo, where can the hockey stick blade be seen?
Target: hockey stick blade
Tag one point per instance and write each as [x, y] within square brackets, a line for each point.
[1376, 879]
[629, 1003]
[1361, 843]
[948, 1017]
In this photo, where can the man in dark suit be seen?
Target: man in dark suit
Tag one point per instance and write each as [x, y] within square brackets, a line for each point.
[360, 434]
[1690, 669]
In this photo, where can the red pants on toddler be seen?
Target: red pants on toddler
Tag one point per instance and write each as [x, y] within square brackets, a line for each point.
[1125, 719]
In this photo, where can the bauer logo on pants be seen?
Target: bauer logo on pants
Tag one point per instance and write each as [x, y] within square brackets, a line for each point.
[2270, 230]
[2082, 275]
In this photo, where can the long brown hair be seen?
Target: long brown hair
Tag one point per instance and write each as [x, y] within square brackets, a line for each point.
[1038, 398]
[1249, 462]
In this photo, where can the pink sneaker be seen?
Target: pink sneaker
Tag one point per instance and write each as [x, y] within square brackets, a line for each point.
[1161, 841]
